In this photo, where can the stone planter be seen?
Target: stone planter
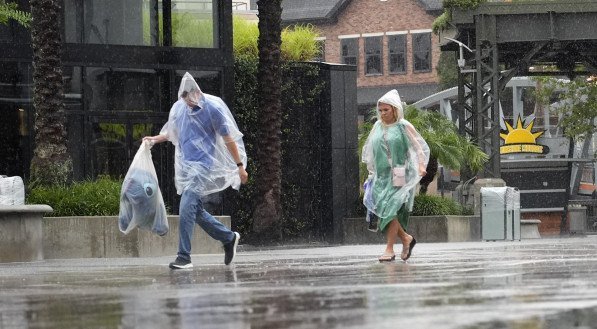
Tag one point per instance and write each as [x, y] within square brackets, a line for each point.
[21, 232]
[99, 237]
[425, 228]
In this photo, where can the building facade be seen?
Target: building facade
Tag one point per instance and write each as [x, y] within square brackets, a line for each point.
[122, 64]
[390, 42]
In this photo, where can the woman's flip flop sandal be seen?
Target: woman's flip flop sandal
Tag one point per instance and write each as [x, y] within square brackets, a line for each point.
[387, 258]
[410, 249]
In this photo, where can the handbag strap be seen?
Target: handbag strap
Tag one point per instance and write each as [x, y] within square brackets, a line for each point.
[387, 148]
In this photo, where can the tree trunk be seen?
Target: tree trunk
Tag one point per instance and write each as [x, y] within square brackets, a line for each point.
[428, 178]
[268, 209]
[51, 163]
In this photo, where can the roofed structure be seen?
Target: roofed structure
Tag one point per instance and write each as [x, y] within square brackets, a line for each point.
[327, 11]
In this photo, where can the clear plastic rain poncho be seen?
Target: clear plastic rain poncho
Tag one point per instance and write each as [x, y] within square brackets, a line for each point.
[199, 125]
[406, 148]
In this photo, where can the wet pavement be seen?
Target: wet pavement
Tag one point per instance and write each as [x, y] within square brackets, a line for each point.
[534, 284]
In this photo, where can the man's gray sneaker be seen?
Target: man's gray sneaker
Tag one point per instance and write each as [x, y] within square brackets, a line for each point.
[230, 249]
[180, 263]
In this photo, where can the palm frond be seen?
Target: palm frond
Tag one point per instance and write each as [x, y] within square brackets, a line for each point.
[10, 11]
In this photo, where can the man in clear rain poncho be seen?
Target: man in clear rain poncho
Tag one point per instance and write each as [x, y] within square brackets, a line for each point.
[209, 156]
[396, 157]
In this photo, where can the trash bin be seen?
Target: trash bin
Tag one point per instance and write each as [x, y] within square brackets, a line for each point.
[500, 213]
[577, 215]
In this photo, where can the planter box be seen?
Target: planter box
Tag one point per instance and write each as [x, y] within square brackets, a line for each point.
[424, 228]
[21, 232]
[99, 237]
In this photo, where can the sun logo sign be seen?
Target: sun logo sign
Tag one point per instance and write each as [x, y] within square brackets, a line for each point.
[521, 139]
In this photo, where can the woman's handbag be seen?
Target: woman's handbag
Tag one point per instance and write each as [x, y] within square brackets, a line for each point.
[398, 176]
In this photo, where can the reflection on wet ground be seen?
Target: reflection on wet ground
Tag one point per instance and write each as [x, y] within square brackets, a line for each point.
[538, 284]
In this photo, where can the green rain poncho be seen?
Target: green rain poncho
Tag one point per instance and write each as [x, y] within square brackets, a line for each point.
[400, 144]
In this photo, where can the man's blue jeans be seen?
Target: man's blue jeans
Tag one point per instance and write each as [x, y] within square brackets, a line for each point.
[191, 211]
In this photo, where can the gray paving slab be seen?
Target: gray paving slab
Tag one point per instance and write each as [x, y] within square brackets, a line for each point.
[544, 283]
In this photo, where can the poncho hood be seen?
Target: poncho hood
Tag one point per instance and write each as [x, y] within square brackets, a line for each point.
[392, 98]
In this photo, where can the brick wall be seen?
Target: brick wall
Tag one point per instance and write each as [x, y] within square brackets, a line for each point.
[550, 222]
[374, 16]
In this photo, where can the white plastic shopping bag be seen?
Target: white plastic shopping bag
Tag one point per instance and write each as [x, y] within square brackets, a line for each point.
[12, 191]
[141, 202]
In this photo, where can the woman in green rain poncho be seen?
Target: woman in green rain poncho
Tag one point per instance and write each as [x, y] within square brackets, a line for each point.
[396, 156]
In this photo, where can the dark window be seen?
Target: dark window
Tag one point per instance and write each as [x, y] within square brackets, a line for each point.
[253, 5]
[373, 56]
[422, 52]
[397, 53]
[350, 51]
[320, 57]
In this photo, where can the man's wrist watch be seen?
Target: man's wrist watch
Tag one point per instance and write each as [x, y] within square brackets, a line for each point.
[239, 164]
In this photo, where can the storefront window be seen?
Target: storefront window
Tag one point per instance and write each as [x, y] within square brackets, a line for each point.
[194, 23]
[189, 23]
[16, 118]
[209, 81]
[113, 22]
[131, 90]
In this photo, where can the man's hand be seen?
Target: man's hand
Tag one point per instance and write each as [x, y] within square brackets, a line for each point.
[244, 176]
[155, 139]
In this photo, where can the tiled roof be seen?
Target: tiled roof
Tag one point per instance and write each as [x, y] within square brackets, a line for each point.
[326, 11]
[432, 5]
[322, 11]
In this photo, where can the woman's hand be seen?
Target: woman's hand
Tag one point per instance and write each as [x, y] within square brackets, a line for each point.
[422, 170]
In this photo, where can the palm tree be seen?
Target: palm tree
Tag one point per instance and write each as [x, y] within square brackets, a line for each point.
[10, 11]
[447, 147]
[51, 163]
[268, 210]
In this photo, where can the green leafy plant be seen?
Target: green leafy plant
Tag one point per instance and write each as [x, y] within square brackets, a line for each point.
[576, 103]
[244, 38]
[299, 94]
[443, 21]
[88, 198]
[188, 30]
[433, 205]
[298, 41]
[9, 10]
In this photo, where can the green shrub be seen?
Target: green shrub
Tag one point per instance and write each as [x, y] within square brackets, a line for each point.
[298, 41]
[88, 198]
[433, 205]
[301, 89]
[244, 38]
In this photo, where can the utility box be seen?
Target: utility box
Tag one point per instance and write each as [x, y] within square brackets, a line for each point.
[578, 219]
[500, 213]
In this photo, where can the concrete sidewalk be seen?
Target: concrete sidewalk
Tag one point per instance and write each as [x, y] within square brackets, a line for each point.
[544, 283]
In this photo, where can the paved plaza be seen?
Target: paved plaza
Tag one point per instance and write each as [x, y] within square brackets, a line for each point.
[534, 284]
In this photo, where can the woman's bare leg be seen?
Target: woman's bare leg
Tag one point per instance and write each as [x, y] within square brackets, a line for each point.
[405, 238]
[391, 237]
